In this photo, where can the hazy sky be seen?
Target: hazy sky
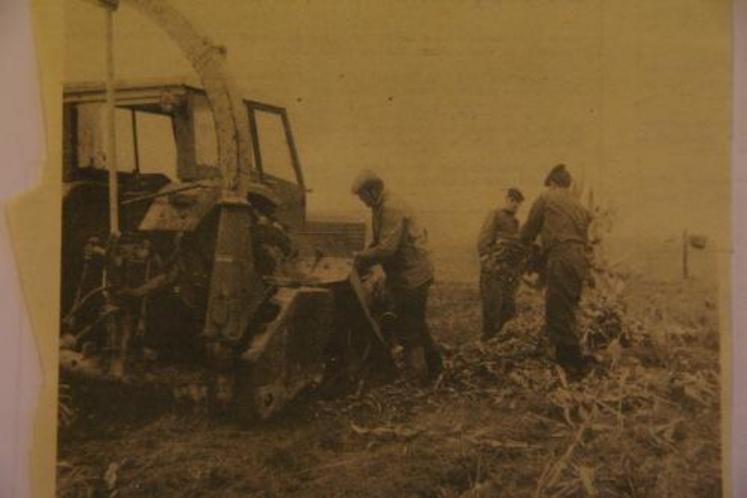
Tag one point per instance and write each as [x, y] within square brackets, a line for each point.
[454, 100]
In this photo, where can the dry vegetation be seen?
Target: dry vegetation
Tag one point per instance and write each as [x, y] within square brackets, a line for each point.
[501, 421]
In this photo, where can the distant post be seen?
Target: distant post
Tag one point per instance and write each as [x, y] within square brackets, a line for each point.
[685, 244]
[695, 241]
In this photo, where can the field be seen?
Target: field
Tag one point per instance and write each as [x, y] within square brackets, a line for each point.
[501, 421]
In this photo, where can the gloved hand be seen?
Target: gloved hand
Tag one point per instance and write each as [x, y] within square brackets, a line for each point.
[360, 262]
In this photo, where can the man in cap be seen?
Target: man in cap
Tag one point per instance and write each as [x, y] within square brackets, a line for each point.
[500, 264]
[399, 245]
[562, 224]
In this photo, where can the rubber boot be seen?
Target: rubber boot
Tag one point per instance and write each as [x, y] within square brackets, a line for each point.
[488, 333]
[417, 365]
[569, 357]
[435, 362]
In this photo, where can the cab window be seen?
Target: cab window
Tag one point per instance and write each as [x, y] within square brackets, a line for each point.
[273, 147]
[151, 133]
[206, 141]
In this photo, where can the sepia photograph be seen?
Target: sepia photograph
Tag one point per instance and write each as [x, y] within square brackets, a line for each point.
[442, 249]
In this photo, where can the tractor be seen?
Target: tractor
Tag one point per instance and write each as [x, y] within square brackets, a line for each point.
[186, 244]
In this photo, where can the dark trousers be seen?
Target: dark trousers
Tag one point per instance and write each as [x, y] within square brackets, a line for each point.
[411, 328]
[498, 294]
[567, 267]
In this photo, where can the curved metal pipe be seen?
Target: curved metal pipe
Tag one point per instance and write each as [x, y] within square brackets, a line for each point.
[229, 114]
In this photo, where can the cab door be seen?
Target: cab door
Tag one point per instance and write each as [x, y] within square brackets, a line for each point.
[277, 161]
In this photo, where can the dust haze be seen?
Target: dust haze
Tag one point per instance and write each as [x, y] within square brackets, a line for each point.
[453, 102]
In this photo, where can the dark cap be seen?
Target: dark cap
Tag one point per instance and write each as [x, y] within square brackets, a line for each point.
[365, 179]
[515, 194]
[559, 176]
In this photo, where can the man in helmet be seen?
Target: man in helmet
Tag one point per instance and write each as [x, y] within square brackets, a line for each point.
[399, 245]
[562, 224]
[500, 255]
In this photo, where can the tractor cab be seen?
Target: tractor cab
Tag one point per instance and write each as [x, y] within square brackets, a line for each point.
[167, 163]
[165, 133]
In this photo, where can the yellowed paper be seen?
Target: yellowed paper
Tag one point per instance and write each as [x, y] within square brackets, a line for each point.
[450, 103]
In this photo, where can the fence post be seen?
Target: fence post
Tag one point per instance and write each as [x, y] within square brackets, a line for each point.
[685, 272]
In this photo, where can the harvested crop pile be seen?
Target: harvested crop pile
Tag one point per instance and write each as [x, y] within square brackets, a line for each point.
[501, 421]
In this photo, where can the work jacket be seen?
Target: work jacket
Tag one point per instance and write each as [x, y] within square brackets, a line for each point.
[558, 218]
[399, 244]
[500, 224]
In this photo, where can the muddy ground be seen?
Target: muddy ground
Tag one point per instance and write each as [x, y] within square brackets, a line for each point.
[501, 421]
